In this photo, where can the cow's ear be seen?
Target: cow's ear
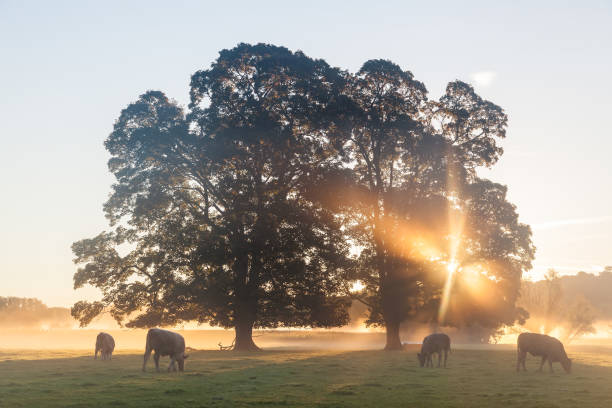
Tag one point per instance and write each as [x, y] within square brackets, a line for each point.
[185, 356]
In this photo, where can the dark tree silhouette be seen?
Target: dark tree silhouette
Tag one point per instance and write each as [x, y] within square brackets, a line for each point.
[241, 212]
[217, 208]
[495, 249]
[382, 131]
[413, 163]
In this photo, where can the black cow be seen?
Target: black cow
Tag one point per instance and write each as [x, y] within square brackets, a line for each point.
[434, 343]
[549, 348]
[165, 343]
[105, 344]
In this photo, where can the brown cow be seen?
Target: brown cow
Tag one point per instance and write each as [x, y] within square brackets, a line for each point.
[542, 345]
[105, 344]
[165, 343]
[434, 343]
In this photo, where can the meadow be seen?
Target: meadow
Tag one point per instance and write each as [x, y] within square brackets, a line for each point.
[298, 378]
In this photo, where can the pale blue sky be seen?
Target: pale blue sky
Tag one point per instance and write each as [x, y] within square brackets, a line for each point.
[68, 68]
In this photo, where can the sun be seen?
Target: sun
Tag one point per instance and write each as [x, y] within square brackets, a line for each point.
[357, 286]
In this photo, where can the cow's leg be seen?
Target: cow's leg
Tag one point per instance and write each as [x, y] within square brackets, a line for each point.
[550, 365]
[147, 354]
[445, 356]
[439, 358]
[542, 363]
[96, 353]
[146, 358]
[176, 366]
[156, 358]
[521, 356]
[171, 367]
[518, 360]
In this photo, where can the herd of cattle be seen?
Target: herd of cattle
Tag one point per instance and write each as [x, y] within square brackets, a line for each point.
[541, 345]
[167, 343]
[161, 342]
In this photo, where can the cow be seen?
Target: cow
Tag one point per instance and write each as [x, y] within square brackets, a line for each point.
[105, 344]
[165, 343]
[549, 348]
[434, 343]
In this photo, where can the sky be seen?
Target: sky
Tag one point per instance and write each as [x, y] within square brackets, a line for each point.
[68, 68]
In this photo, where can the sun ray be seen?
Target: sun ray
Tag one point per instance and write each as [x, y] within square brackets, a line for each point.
[456, 221]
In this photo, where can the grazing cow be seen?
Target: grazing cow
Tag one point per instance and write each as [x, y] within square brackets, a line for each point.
[165, 343]
[542, 345]
[105, 344]
[434, 343]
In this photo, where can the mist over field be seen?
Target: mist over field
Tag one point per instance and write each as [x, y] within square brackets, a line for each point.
[30, 324]
[305, 204]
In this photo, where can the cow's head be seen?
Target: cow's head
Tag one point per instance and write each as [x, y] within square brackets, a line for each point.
[421, 357]
[181, 362]
[567, 365]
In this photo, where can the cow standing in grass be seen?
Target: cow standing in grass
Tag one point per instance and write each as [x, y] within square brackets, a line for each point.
[105, 344]
[165, 343]
[549, 348]
[434, 343]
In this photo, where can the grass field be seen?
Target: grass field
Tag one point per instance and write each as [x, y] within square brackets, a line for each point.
[474, 378]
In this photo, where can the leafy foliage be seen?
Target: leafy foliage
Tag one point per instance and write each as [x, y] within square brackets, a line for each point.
[241, 211]
[217, 205]
[414, 190]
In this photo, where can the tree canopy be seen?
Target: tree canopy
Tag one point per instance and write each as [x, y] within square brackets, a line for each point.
[422, 210]
[218, 204]
[242, 209]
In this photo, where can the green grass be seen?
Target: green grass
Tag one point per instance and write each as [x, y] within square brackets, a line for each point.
[474, 378]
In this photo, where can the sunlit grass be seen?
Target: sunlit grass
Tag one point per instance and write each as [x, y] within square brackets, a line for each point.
[475, 378]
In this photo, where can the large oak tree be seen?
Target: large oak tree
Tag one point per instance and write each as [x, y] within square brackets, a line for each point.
[216, 207]
[413, 164]
[240, 212]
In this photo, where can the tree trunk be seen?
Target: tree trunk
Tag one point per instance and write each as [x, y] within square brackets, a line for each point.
[244, 338]
[393, 337]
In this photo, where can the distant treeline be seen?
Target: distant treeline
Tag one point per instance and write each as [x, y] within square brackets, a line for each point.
[571, 304]
[565, 306]
[568, 305]
[595, 288]
[22, 313]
